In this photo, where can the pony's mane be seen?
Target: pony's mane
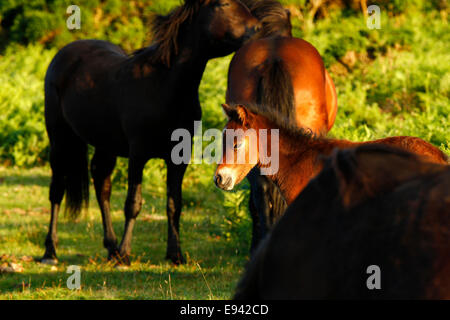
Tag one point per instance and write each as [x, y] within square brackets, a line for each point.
[275, 19]
[166, 30]
[278, 120]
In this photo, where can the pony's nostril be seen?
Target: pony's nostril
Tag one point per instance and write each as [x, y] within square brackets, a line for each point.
[223, 182]
[227, 182]
[218, 180]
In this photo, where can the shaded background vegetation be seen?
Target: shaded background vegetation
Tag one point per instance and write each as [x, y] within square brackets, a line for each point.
[402, 68]
[391, 81]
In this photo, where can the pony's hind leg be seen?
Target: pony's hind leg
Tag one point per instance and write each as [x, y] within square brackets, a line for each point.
[133, 206]
[102, 165]
[68, 160]
[57, 189]
[175, 175]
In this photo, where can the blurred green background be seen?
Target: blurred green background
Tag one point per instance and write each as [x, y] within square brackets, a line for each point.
[390, 81]
[400, 70]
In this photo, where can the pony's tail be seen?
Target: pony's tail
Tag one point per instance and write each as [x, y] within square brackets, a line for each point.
[275, 90]
[68, 158]
[77, 180]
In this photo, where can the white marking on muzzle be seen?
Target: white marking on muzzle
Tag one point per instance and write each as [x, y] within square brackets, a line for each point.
[226, 172]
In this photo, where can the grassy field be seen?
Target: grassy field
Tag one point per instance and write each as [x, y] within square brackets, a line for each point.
[214, 260]
[392, 81]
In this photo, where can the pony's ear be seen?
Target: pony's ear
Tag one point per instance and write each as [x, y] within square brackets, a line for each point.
[240, 113]
[288, 12]
[244, 114]
[229, 111]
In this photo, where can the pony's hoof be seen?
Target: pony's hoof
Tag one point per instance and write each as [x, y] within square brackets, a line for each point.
[176, 259]
[119, 260]
[49, 261]
[113, 255]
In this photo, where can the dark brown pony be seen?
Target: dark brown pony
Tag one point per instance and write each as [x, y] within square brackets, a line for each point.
[371, 206]
[288, 75]
[129, 106]
[299, 151]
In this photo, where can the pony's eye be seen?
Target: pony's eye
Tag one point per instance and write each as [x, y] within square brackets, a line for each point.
[237, 146]
[224, 4]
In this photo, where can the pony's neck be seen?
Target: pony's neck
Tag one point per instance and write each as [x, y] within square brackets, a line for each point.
[191, 48]
[191, 59]
[187, 64]
[296, 165]
[299, 161]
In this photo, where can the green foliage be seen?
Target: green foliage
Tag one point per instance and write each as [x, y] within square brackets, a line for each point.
[23, 139]
[396, 81]
[123, 22]
[403, 89]
[402, 86]
[237, 222]
[31, 26]
[407, 48]
[212, 92]
[24, 217]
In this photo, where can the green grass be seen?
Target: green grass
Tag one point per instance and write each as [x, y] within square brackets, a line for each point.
[402, 88]
[214, 261]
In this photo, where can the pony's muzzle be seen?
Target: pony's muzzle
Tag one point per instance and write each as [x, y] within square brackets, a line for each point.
[223, 181]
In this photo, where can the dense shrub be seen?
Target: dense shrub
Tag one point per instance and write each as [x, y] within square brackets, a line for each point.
[23, 139]
[123, 22]
[395, 80]
[127, 22]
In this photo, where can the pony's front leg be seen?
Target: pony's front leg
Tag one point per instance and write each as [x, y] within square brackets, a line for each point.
[102, 165]
[51, 241]
[175, 174]
[133, 206]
